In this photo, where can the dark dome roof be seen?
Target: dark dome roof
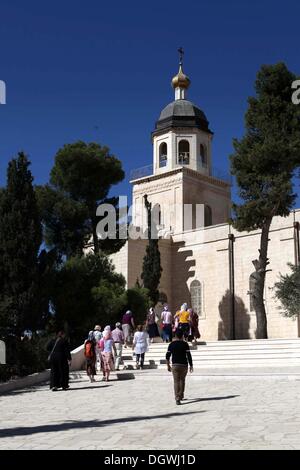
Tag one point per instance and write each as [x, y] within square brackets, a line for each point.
[181, 108]
[181, 113]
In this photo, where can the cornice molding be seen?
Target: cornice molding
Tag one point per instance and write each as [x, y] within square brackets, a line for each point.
[184, 171]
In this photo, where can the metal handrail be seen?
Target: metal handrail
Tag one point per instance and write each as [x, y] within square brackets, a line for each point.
[141, 172]
[214, 172]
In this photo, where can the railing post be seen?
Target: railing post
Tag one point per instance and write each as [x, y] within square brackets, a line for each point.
[231, 240]
[297, 258]
[296, 244]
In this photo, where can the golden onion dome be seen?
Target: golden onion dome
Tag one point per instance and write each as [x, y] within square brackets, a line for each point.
[181, 80]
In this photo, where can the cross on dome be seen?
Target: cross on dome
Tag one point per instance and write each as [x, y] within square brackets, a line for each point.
[180, 82]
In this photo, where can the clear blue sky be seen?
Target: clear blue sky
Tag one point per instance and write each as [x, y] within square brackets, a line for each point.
[101, 71]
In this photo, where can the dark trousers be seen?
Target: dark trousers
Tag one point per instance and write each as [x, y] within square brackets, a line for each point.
[59, 376]
[167, 332]
[185, 327]
[140, 357]
[179, 375]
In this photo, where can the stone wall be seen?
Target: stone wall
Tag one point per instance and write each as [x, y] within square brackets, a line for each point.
[202, 255]
[206, 253]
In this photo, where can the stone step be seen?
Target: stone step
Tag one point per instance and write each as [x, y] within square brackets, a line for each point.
[236, 345]
[227, 354]
[231, 350]
[230, 364]
[230, 359]
[249, 341]
[236, 357]
[203, 350]
[212, 361]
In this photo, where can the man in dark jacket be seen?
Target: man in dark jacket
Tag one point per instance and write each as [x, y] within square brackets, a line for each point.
[60, 358]
[181, 357]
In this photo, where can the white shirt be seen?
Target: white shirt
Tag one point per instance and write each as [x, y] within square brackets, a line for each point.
[166, 317]
[140, 340]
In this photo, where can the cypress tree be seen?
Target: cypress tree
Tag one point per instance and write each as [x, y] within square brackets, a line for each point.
[20, 240]
[151, 264]
[152, 270]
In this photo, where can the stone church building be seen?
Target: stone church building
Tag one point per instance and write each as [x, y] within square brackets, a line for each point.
[205, 262]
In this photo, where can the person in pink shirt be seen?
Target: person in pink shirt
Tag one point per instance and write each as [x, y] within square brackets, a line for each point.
[118, 338]
[107, 348]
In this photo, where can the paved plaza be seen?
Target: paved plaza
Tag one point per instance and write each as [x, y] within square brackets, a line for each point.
[219, 413]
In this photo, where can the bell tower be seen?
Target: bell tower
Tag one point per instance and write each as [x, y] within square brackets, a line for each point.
[181, 137]
[182, 173]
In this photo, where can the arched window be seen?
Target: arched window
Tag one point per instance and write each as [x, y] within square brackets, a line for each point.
[163, 154]
[252, 282]
[207, 216]
[203, 155]
[183, 152]
[196, 297]
[156, 214]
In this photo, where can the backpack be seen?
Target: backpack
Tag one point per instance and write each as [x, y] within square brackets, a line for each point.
[89, 349]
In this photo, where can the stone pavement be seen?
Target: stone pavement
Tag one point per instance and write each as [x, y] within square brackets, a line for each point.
[219, 413]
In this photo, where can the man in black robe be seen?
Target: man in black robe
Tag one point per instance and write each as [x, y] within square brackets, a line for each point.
[60, 358]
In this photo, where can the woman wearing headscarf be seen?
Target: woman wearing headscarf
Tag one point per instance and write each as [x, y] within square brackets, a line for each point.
[152, 325]
[107, 347]
[167, 320]
[183, 317]
[106, 330]
[140, 346]
[90, 356]
[194, 330]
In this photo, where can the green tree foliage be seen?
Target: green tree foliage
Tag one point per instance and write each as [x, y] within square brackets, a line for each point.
[136, 299]
[49, 262]
[152, 270]
[25, 356]
[264, 163]
[84, 174]
[65, 221]
[287, 291]
[87, 291]
[20, 240]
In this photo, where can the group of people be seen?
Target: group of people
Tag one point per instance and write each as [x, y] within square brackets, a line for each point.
[103, 349]
[185, 319]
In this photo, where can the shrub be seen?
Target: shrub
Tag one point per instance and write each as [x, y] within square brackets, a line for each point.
[24, 356]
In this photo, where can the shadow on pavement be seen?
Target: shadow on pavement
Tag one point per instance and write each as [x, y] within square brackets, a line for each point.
[26, 430]
[85, 388]
[36, 389]
[195, 400]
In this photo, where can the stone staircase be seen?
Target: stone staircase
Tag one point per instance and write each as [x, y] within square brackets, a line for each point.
[217, 355]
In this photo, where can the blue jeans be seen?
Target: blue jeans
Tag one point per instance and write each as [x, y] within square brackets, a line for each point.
[167, 332]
